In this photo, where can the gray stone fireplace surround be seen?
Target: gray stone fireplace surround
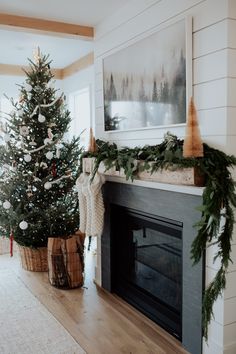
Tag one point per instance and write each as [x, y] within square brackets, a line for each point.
[172, 205]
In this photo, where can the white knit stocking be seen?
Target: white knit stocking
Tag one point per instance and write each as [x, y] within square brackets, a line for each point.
[97, 205]
[81, 180]
[91, 204]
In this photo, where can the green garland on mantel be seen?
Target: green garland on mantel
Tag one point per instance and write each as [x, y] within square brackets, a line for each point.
[217, 218]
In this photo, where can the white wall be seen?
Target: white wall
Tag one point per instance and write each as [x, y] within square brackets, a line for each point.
[8, 85]
[214, 90]
[78, 81]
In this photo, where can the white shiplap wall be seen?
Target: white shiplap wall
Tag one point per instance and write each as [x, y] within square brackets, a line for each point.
[214, 90]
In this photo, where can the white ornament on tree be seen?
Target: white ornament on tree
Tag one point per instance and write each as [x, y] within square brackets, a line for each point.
[51, 125]
[23, 225]
[48, 185]
[43, 165]
[50, 135]
[49, 155]
[29, 191]
[58, 152]
[6, 205]
[13, 166]
[32, 143]
[27, 158]
[24, 130]
[41, 118]
[20, 112]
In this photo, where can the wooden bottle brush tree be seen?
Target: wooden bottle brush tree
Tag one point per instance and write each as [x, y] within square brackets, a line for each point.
[193, 146]
[92, 142]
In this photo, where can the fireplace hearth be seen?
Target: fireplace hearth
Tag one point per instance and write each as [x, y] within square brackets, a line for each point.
[146, 257]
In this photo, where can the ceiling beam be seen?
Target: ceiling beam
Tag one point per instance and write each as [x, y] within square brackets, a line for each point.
[46, 25]
[78, 65]
[17, 70]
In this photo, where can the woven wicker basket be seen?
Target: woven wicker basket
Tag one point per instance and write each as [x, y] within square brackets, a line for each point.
[34, 260]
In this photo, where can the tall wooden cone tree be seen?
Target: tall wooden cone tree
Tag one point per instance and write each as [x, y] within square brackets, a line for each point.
[193, 146]
[92, 142]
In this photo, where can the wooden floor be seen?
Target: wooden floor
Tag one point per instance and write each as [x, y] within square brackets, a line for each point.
[100, 322]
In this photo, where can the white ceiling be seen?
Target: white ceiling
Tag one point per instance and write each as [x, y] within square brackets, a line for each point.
[86, 12]
[18, 45]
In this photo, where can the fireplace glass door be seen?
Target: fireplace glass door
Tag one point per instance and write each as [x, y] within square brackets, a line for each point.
[147, 265]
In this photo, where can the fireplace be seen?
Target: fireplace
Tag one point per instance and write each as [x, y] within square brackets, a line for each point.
[146, 256]
[147, 265]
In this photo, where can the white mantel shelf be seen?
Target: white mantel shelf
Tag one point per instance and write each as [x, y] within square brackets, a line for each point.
[156, 185]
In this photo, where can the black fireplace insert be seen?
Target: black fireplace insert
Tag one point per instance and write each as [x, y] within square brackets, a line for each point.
[146, 265]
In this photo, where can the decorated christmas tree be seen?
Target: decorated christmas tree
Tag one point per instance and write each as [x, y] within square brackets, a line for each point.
[38, 166]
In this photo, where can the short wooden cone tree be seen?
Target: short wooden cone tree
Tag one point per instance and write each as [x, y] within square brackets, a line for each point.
[193, 146]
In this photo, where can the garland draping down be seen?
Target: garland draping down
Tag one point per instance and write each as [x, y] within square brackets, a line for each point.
[91, 204]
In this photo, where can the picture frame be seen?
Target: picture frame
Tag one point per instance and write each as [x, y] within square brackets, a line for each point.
[148, 84]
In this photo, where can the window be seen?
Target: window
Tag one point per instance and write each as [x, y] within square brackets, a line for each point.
[80, 108]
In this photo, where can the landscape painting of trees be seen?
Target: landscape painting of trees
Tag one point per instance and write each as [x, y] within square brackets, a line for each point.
[145, 83]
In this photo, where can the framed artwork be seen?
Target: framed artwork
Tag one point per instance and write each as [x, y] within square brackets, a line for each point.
[148, 83]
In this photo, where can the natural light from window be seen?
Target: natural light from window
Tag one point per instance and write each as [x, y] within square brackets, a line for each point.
[80, 108]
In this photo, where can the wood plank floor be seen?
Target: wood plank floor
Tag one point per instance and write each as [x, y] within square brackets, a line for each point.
[100, 322]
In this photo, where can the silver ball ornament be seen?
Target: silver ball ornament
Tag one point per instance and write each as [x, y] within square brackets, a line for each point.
[6, 205]
[49, 155]
[27, 158]
[23, 225]
[41, 118]
[48, 185]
